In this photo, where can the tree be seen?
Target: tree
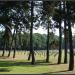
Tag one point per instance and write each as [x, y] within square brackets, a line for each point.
[60, 39]
[47, 58]
[31, 34]
[57, 17]
[71, 61]
[48, 10]
[65, 34]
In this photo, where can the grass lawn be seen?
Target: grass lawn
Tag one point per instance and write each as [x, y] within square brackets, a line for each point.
[20, 65]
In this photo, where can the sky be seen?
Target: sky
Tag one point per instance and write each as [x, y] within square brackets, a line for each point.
[44, 31]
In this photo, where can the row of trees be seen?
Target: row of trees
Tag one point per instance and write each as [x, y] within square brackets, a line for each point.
[23, 16]
[39, 42]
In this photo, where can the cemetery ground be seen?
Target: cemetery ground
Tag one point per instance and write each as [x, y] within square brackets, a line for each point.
[20, 64]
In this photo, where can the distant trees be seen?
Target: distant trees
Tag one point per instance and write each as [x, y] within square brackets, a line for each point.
[39, 42]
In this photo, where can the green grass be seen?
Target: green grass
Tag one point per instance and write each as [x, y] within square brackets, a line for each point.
[20, 65]
[24, 67]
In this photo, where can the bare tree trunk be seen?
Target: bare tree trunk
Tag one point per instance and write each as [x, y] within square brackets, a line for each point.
[4, 48]
[71, 59]
[60, 40]
[31, 35]
[65, 48]
[14, 48]
[9, 47]
[15, 44]
[11, 43]
[65, 36]
[47, 55]
[20, 44]
[29, 56]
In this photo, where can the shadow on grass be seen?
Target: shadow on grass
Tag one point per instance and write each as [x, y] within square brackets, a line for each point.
[4, 70]
[26, 63]
[43, 62]
[57, 72]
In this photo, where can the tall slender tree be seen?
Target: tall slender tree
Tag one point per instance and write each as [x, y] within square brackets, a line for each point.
[47, 58]
[71, 59]
[60, 37]
[31, 34]
[15, 38]
[65, 33]
[48, 10]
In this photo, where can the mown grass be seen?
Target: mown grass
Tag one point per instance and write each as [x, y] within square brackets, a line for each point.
[20, 65]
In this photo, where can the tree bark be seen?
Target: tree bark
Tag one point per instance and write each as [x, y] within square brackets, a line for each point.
[4, 48]
[60, 40]
[65, 46]
[47, 55]
[15, 43]
[65, 37]
[20, 43]
[29, 56]
[71, 59]
[11, 43]
[9, 48]
[31, 36]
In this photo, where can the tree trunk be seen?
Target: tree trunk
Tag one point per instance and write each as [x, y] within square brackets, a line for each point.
[20, 44]
[11, 43]
[60, 39]
[47, 55]
[15, 43]
[14, 48]
[31, 36]
[71, 59]
[9, 53]
[65, 37]
[9, 48]
[60, 52]
[4, 48]
[29, 56]
[65, 45]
